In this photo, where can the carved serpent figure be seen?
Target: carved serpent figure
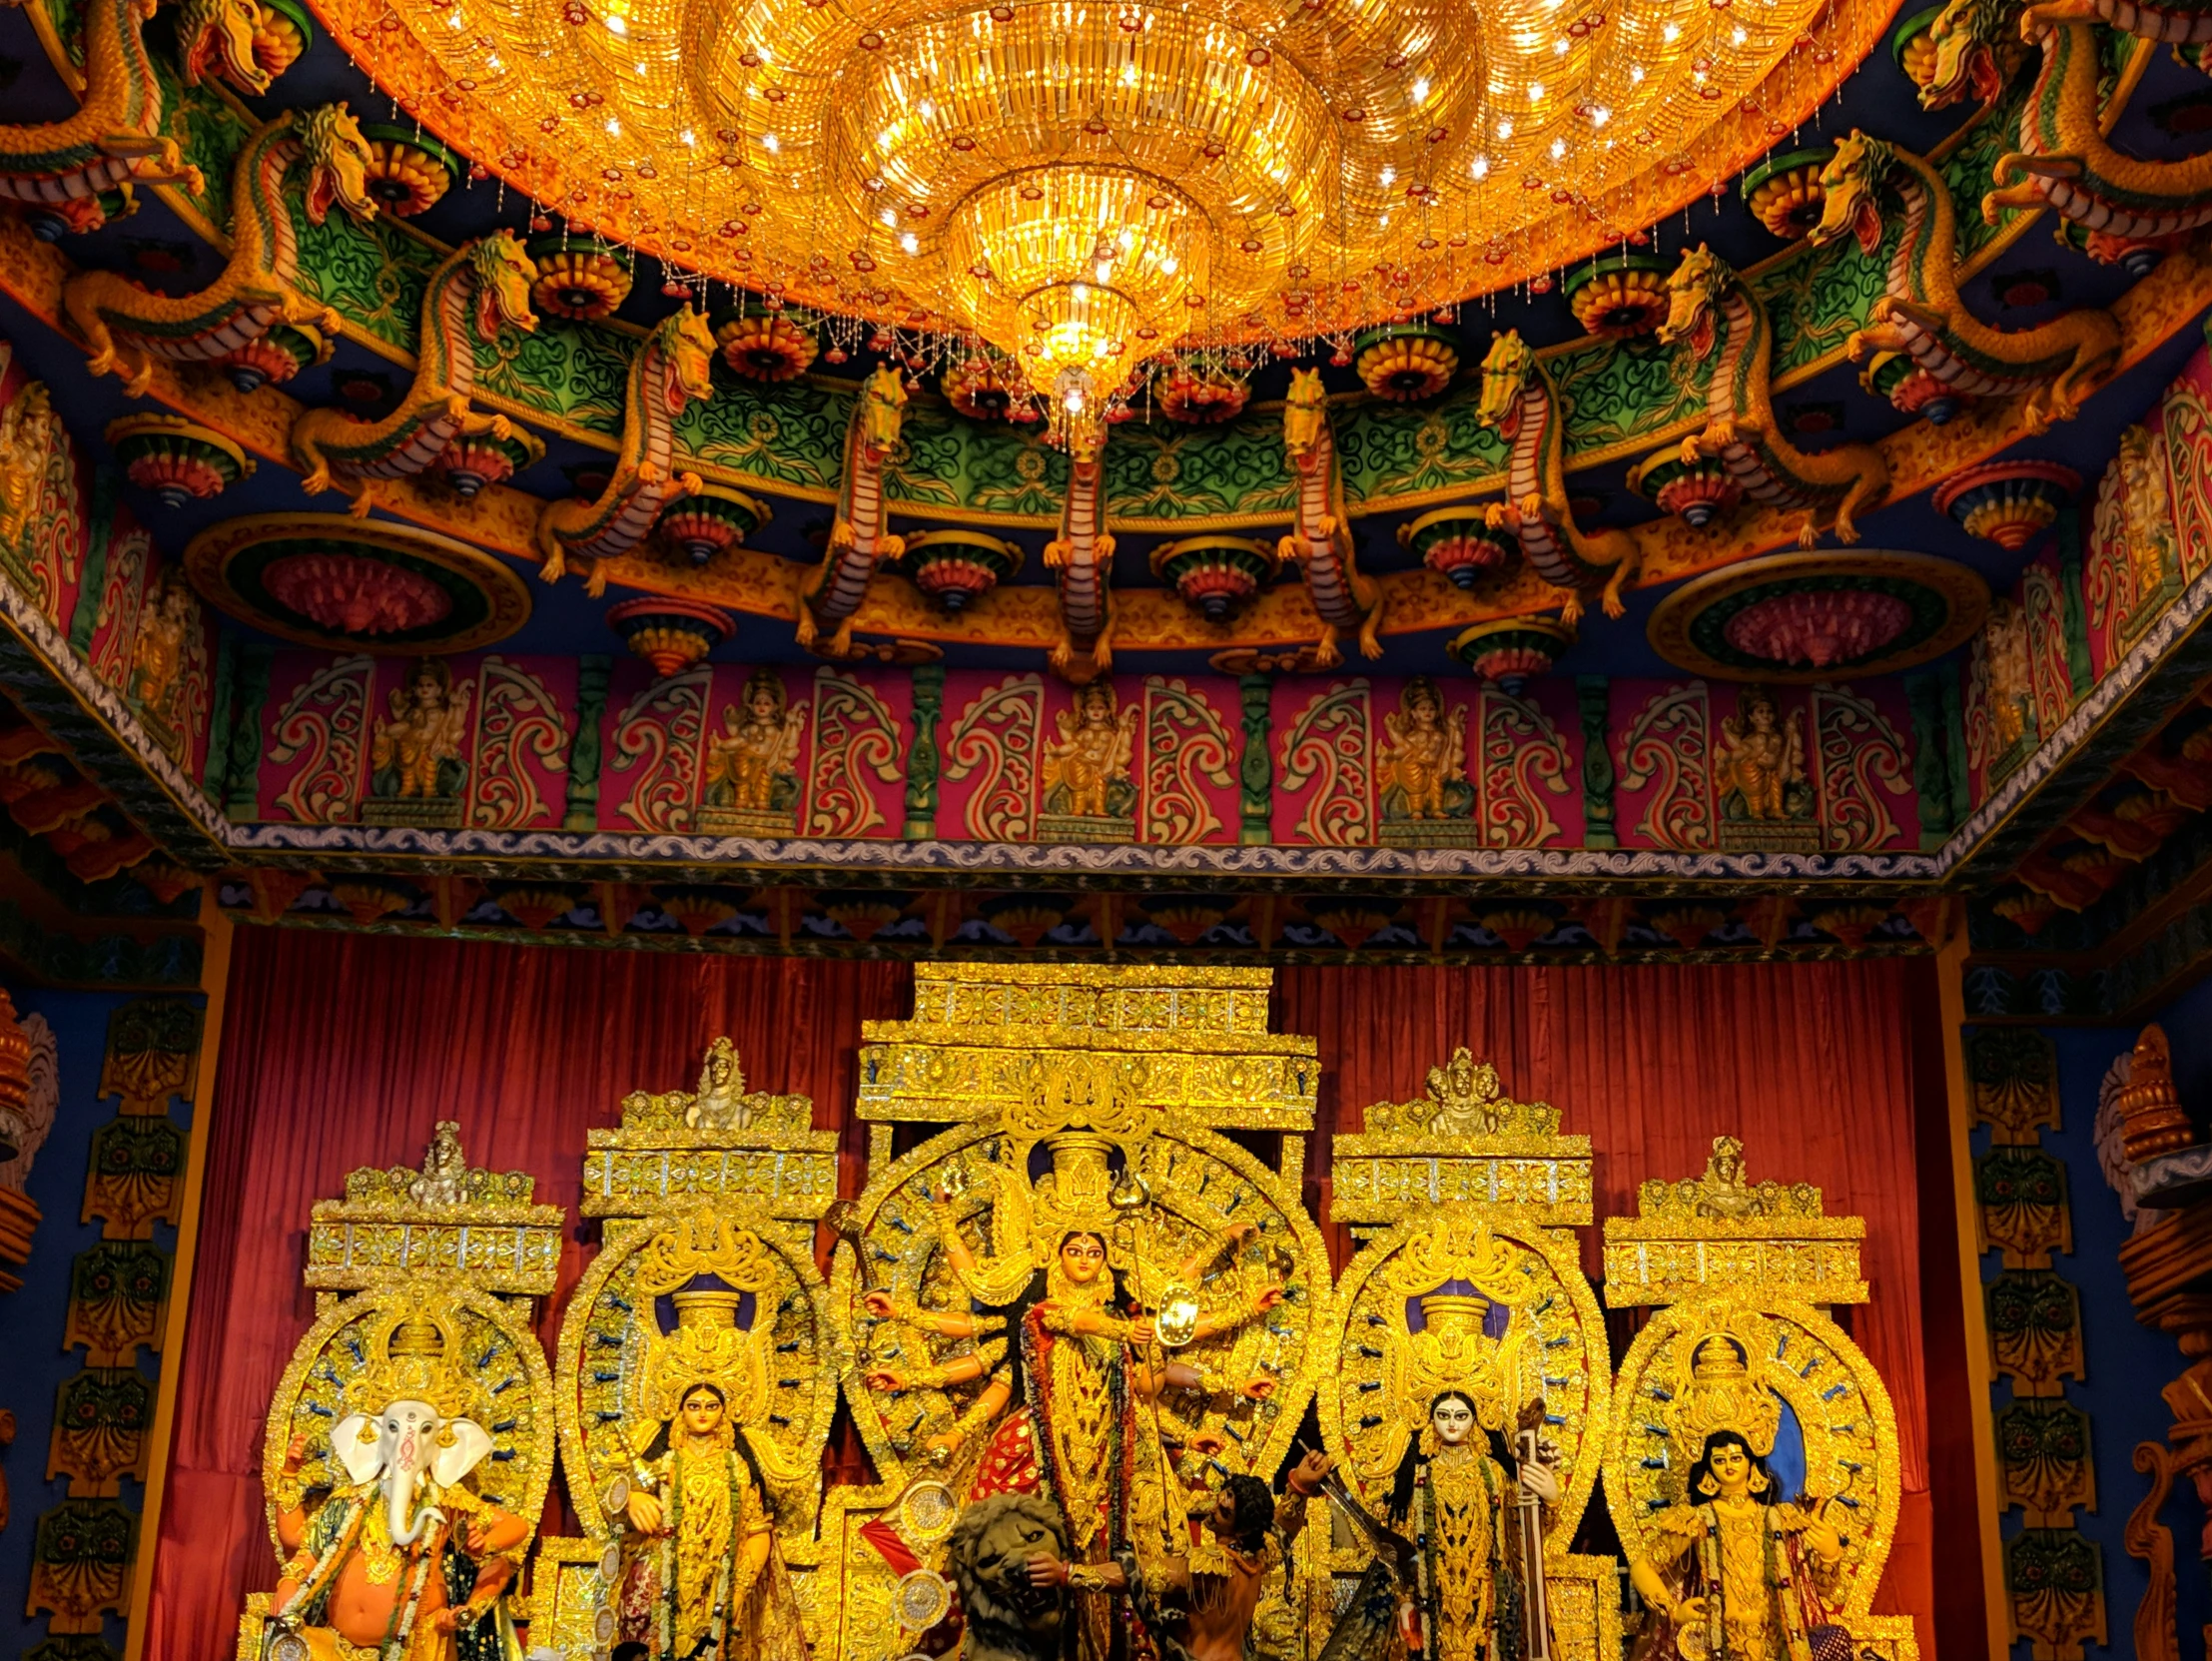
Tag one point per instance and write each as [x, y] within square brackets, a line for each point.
[672, 368]
[1321, 538]
[115, 140]
[2064, 159]
[122, 323]
[860, 537]
[1083, 553]
[2055, 365]
[1705, 297]
[1519, 400]
[335, 449]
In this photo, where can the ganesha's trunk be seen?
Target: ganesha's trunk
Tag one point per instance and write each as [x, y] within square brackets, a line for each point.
[406, 1473]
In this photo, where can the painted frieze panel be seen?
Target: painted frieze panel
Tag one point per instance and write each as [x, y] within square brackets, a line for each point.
[2186, 420]
[1326, 767]
[856, 783]
[1192, 749]
[1663, 758]
[43, 512]
[991, 744]
[153, 642]
[2043, 609]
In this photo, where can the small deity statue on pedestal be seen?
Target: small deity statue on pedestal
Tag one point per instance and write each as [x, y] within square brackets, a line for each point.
[1087, 773]
[1735, 1570]
[1761, 758]
[1426, 762]
[752, 763]
[445, 1178]
[404, 1562]
[416, 750]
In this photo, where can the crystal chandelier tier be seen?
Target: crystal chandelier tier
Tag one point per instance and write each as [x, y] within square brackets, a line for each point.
[1081, 185]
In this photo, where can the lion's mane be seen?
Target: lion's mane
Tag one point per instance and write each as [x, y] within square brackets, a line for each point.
[1007, 1619]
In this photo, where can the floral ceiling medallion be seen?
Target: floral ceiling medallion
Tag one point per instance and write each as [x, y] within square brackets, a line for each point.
[327, 580]
[1820, 616]
[1085, 186]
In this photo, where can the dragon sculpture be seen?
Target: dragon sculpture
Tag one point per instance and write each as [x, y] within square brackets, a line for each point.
[2055, 365]
[1708, 300]
[115, 141]
[1083, 553]
[124, 325]
[672, 368]
[2123, 203]
[333, 448]
[1519, 400]
[860, 539]
[1321, 538]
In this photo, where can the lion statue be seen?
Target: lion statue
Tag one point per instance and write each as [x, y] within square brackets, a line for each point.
[989, 1549]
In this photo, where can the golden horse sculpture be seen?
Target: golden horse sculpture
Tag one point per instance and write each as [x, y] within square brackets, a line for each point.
[1519, 400]
[355, 455]
[127, 327]
[60, 169]
[1320, 540]
[2056, 365]
[1708, 301]
[673, 367]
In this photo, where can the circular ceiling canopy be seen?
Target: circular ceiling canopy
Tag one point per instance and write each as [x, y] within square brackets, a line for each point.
[323, 579]
[1082, 183]
[1820, 616]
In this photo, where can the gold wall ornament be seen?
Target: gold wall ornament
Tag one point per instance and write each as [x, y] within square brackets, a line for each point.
[755, 1148]
[1723, 1232]
[1464, 1142]
[1174, 1041]
[446, 1218]
[1737, 1340]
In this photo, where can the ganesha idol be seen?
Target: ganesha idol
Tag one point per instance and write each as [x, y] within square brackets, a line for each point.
[405, 1561]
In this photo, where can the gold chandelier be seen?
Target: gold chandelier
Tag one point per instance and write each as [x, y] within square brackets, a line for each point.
[1080, 184]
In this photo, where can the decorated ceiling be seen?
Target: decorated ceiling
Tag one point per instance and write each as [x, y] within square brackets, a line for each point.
[1687, 480]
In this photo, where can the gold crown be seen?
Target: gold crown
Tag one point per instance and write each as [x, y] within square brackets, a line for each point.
[1717, 1357]
[1718, 1389]
[1451, 1307]
[414, 1355]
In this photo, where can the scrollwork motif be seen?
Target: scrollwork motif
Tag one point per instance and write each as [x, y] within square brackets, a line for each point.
[994, 742]
[1186, 748]
[1668, 749]
[321, 727]
[1329, 747]
[1861, 758]
[855, 740]
[1523, 759]
[518, 726]
[657, 739]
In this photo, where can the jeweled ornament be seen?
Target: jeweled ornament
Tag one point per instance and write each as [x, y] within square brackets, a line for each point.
[1818, 616]
[409, 173]
[670, 633]
[1458, 543]
[1406, 363]
[984, 391]
[351, 595]
[1510, 652]
[2008, 503]
[702, 525]
[1784, 193]
[958, 568]
[176, 460]
[576, 279]
[1696, 493]
[1216, 574]
[767, 347]
[1203, 399]
[1619, 297]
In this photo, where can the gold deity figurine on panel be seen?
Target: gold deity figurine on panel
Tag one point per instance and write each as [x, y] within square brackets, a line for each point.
[1755, 1483]
[409, 1443]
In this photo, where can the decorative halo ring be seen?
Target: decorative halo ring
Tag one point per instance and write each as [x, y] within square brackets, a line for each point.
[344, 584]
[1918, 608]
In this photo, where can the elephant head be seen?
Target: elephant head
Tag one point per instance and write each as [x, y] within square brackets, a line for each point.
[421, 1431]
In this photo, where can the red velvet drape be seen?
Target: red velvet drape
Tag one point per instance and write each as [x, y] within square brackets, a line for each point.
[343, 1049]
[1811, 1064]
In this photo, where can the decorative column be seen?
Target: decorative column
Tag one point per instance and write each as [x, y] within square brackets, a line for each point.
[81, 1559]
[922, 756]
[1255, 772]
[2053, 1574]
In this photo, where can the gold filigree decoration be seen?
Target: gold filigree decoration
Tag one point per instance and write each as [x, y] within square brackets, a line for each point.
[705, 1243]
[446, 1217]
[1724, 1192]
[446, 1179]
[414, 1354]
[1462, 1098]
[720, 1104]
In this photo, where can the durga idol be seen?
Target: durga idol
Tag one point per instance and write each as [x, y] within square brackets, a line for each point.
[1076, 1401]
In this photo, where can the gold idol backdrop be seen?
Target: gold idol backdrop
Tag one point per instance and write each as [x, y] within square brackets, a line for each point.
[703, 1356]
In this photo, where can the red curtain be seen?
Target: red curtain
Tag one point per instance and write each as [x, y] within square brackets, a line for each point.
[343, 1049]
[1811, 1064]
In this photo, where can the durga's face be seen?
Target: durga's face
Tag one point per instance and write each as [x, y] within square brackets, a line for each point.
[702, 1411]
[1082, 1258]
[1454, 1420]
